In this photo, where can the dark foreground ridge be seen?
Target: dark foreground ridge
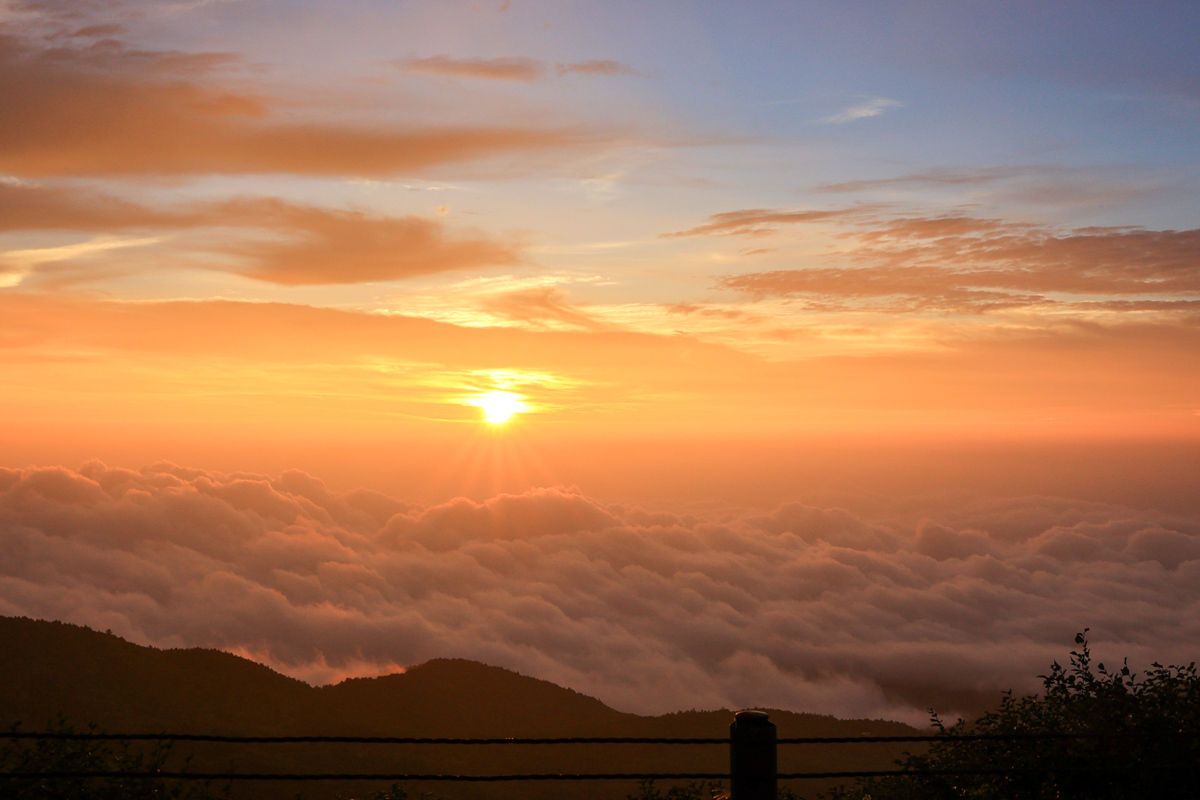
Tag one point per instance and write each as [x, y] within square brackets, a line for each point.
[49, 669]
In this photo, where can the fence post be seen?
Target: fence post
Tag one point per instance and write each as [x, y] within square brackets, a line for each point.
[752, 764]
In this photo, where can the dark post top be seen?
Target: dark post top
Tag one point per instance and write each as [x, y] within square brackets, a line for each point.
[756, 718]
[752, 762]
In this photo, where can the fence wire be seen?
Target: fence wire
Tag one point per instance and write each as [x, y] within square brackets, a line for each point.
[545, 776]
[605, 776]
[204, 737]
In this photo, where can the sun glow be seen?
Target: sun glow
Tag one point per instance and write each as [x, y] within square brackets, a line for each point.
[499, 407]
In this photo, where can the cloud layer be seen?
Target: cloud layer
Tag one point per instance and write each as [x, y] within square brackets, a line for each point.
[803, 607]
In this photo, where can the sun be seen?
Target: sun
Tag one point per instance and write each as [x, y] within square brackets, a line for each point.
[498, 407]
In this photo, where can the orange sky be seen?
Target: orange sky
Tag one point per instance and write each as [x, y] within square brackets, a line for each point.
[722, 260]
[197, 239]
[207, 241]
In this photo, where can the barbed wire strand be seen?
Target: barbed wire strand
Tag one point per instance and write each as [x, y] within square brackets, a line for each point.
[335, 776]
[204, 737]
[631, 776]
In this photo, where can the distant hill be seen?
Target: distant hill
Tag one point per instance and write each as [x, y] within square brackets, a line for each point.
[52, 668]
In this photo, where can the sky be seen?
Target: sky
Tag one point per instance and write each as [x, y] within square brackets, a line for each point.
[825, 356]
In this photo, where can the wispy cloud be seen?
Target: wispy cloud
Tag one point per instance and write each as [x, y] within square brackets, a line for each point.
[937, 176]
[755, 222]
[512, 68]
[871, 107]
[15, 265]
[540, 307]
[603, 68]
[526, 70]
[46, 255]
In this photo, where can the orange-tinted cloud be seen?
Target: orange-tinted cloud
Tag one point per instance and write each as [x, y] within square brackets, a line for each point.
[935, 177]
[597, 67]
[107, 110]
[335, 246]
[88, 32]
[754, 222]
[687, 309]
[114, 57]
[321, 246]
[963, 263]
[503, 68]
[540, 306]
[67, 15]
[513, 68]
[27, 208]
[526, 70]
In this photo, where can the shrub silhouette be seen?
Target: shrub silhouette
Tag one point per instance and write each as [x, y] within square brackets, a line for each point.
[695, 790]
[397, 791]
[67, 755]
[691, 790]
[1142, 741]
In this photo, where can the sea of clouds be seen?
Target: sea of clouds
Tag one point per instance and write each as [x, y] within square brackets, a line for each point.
[863, 614]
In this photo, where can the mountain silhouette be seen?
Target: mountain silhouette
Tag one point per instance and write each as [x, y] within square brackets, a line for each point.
[52, 669]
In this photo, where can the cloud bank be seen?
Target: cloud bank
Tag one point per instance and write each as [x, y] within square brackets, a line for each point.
[807, 608]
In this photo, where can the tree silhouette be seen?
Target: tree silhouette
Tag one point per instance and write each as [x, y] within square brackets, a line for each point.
[1140, 738]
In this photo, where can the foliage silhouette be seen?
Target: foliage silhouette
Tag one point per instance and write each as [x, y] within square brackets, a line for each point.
[1141, 739]
[395, 792]
[65, 755]
[692, 790]
[696, 790]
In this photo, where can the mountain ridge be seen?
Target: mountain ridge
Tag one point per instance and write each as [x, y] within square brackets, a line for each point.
[49, 669]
